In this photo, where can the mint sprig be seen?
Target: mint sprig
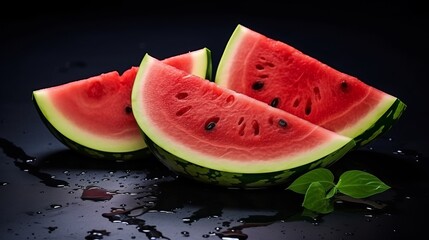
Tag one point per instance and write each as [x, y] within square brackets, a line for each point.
[319, 188]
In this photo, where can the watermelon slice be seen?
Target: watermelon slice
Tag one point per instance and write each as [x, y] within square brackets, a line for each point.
[94, 116]
[218, 136]
[282, 76]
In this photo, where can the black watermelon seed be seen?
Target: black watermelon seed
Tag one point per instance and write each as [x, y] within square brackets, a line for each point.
[275, 102]
[209, 126]
[282, 123]
[344, 86]
[211, 123]
[258, 85]
[128, 110]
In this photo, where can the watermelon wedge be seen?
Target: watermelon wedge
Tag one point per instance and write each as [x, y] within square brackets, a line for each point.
[216, 135]
[94, 117]
[283, 77]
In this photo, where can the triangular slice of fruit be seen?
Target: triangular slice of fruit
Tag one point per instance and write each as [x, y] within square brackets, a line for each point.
[281, 76]
[94, 116]
[219, 136]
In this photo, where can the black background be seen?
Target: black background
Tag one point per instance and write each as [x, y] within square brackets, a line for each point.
[383, 44]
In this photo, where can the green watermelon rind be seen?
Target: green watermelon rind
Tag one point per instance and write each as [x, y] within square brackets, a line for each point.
[207, 64]
[187, 169]
[382, 125]
[90, 152]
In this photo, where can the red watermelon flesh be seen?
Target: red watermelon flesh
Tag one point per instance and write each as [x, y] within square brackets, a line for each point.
[84, 103]
[94, 115]
[217, 128]
[283, 77]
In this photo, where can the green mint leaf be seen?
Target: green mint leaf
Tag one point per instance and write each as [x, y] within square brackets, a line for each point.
[360, 184]
[315, 199]
[321, 175]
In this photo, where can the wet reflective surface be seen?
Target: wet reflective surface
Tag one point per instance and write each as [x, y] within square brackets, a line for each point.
[50, 192]
[62, 194]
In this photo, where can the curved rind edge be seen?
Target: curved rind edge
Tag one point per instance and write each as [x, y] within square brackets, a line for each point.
[192, 171]
[227, 52]
[382, 125]
[209, 68]
[86, 151]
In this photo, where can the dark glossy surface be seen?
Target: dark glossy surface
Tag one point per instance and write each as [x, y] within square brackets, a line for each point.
[48, 192]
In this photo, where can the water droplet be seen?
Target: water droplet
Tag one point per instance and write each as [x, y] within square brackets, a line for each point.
[56, 206]
[187, 220]
[3, 183]
[185, 233]
[398, 152]
[96, 234]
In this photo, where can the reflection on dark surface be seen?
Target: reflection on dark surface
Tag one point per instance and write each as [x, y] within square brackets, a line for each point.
[28, 164]
[121, 215]
[147, 187]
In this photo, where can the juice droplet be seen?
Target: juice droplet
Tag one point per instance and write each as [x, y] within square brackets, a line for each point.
[95, 193]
